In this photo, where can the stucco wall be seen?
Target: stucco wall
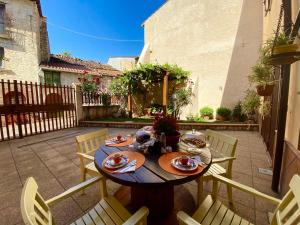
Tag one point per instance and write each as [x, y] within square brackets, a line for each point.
[21, 46]
[216, 40]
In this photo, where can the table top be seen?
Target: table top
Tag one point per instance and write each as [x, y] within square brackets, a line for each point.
[150, 174]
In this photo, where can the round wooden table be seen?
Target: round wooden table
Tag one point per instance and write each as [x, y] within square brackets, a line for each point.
[151, 186]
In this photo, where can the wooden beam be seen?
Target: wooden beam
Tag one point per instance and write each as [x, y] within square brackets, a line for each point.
[129, 105]
[165, 92]
[283, 103]
[296, 26]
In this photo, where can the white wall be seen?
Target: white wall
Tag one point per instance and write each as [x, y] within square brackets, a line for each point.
[122, 63]
[21, 46]
[216, 40]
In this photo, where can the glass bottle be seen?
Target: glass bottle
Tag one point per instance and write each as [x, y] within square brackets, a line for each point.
[163, 142]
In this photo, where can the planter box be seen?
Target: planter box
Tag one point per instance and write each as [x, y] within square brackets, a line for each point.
[182, 126]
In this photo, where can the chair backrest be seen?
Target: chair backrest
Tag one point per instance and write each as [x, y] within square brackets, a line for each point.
[33, 207]
[288, 211]
[222, 143]
[91, 141]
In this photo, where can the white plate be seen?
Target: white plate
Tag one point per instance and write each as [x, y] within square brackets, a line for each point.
[175, 163]
[110, 163]
[116, 141]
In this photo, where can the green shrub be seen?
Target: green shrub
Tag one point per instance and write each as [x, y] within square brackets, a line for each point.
[237, 114]
[207, 111]
[224, 112]
[250, 103]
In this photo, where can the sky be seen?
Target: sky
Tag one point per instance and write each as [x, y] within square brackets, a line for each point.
[78, 26]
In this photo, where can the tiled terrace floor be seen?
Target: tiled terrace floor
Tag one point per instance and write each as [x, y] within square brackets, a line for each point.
[50, 158]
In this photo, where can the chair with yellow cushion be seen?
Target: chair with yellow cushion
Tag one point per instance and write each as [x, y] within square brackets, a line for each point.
[36, 211]
[87, 144]
[212, 211]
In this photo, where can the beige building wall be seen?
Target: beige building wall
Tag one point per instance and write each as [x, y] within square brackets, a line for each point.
[21, 44]
[216, 40]
[122, 63]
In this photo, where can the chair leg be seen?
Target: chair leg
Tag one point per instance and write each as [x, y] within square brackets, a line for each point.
[200, 189]
[83, 178]
[229, 194]
[103, 190]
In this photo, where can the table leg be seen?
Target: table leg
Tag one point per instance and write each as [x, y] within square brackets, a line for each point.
[159, 200]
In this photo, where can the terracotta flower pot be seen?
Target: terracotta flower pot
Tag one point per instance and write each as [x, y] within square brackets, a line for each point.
[173, 140]
[265, 90]
[221, 118]
[285, 48]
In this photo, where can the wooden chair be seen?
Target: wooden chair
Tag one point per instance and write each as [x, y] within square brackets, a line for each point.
[224, 146]
[87, 144]
[212, 211]
[35, 210]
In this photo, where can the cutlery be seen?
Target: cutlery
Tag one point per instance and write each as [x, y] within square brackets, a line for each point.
[124, 169]
[198, 160]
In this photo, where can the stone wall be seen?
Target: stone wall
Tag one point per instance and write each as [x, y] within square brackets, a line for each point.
[21, 44]
[44, 41]
[216, 40]
[96, 112]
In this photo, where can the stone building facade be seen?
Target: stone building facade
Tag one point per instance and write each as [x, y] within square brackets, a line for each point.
[23, 41]
[217, 41]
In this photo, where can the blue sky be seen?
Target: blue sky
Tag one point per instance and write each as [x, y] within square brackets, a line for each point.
[115, 19]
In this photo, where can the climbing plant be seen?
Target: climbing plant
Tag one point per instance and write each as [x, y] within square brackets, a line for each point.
[144, 77]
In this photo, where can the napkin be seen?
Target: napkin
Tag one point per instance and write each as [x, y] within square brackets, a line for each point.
[126, 170]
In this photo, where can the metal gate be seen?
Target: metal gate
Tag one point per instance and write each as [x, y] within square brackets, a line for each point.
[28, 108]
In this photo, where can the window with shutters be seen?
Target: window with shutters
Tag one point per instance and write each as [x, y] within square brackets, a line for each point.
[52, 77]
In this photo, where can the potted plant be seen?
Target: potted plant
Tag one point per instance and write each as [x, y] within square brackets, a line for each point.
[237, 114]
[88, 83]
[284, 44]
[262, 75]
[169, 126]
[265, 108]
[250, 104]
[207, 113]
[223, 114]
